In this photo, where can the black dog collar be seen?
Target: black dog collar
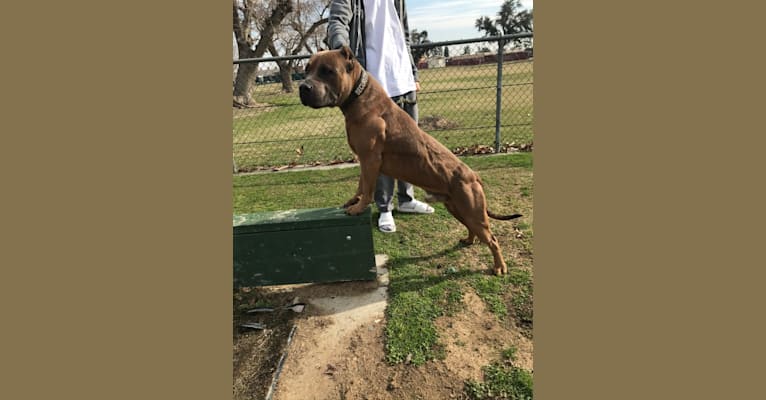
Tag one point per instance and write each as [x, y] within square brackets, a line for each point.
[359, 87]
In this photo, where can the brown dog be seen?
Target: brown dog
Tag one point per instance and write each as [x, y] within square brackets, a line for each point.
[387, 140]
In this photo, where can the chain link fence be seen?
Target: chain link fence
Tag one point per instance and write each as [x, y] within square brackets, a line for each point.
[475, 98]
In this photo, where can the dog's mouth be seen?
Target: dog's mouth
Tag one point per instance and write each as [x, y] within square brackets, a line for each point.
[309, 97]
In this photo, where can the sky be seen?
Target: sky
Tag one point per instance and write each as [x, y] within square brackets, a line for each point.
[452, 19]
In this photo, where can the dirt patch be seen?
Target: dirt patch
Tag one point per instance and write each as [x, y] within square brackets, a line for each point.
[338, 349]
[256, 353]
[434, 122]
[474, 337]
[356, 369]
[321, 343]
[333, 311]
[361, 372]
[331, 363]
[251, 110]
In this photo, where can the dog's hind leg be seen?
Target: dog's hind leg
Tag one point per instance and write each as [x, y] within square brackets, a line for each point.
[487, 237]
[470, 204]
[452, 210]
[480, 228]
[482, 231]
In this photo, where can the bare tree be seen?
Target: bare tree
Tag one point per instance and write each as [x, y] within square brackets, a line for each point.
[293, 37]
[254, 18]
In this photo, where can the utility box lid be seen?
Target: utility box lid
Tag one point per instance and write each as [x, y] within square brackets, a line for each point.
[302, 246]
[289, 220]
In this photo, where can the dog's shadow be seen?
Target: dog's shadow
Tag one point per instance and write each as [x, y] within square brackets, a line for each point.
[430, 275]
[426, 257]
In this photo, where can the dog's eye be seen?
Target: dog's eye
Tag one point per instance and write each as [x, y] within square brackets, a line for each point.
[324, 70]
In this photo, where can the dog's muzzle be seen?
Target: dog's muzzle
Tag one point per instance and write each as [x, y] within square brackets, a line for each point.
[305, 92]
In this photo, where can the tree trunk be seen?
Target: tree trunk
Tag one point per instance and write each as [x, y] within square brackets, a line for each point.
[243, 86]
[247, 72]
[286, 73]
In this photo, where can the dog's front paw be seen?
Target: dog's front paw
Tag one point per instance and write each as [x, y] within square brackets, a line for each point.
[356, 209]
[352, 201]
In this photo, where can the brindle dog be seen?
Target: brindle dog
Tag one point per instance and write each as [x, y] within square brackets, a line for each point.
[387, 140]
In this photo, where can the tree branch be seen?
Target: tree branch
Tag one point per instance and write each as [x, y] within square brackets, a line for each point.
[309, 32]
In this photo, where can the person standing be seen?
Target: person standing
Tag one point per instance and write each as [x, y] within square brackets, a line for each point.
[378, 34]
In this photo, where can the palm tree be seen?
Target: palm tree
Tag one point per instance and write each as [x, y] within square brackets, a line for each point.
[510, 19]
[419, 37]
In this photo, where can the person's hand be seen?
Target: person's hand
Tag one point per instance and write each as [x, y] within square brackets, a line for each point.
[417, 86]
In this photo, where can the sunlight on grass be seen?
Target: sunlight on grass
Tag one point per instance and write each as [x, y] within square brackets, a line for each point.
[429, 270]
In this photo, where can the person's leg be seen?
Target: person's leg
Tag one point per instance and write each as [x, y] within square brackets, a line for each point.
[384, 193]
[405, 191]
[411, 107]
[384, 199]
[384, 189]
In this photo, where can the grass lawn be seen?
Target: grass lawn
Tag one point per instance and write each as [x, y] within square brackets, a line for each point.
[429, 271]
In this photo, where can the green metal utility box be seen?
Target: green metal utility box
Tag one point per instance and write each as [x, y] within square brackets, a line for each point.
[302, 246]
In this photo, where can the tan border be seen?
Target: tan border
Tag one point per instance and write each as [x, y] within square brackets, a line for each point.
[117, 197]
[644, 196]
[648, 222]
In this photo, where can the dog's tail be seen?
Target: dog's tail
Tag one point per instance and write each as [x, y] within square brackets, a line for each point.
[502, 217]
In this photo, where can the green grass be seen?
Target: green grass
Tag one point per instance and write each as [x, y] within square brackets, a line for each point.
[490, 289]
[293, 189]
[502, 380]
[429, 270]
[270, 135]
[410, 332]
[493, 291]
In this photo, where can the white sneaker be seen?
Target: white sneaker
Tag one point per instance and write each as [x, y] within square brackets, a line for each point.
[415, 206]
[386, 222]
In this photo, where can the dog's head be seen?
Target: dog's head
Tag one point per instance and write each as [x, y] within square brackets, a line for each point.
[330, 77]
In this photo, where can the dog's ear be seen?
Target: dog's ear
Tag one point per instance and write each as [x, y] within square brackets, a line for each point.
[346, 52]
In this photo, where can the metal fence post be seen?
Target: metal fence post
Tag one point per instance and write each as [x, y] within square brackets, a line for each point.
[499, 99]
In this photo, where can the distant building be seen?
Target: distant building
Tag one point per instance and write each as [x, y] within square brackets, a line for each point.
[467, 59]
[436, 62]
[488, 57]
